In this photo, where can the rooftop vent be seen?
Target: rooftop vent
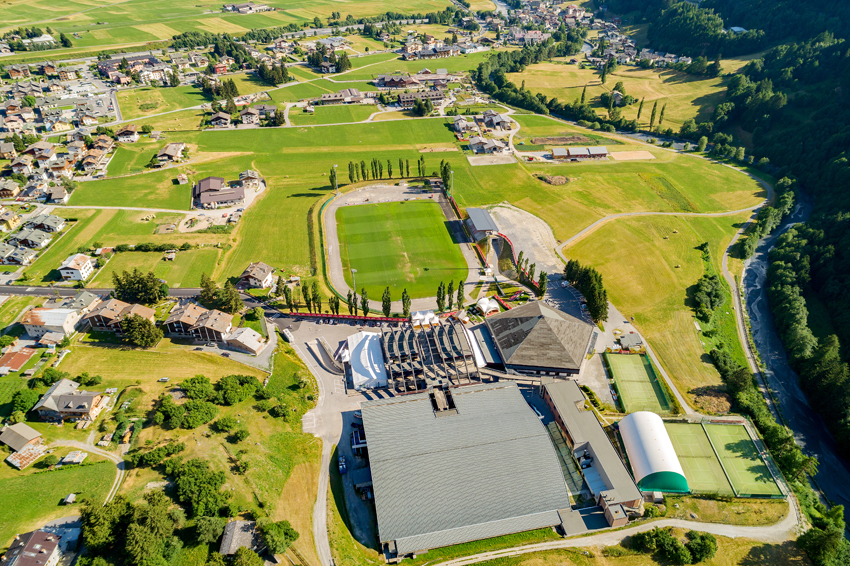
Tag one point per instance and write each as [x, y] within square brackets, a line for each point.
[442, 402]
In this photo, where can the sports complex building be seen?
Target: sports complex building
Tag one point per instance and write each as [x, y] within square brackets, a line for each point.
[532, 340]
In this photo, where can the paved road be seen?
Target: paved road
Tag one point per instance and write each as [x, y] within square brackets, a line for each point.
[810, 432]
[778, 533]
[183, 293]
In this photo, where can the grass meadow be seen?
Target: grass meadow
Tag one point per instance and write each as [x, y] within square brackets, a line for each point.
[398, 245]
[29, 499]
[284, 462]
[184, 271]
[104, 23]
[686, 96]
[144, 101]
[337, 114]
[651, 277]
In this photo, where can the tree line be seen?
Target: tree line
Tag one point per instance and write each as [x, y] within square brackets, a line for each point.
[588, 281]
[374, 169]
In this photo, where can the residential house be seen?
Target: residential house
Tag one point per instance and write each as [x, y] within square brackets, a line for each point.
[481, 145]
[246, 340]
[64, 401]
[7, 151]
[46, 223]
[212, 192]
[103, 142]
[461, 125]
[44, 39]
[247, 8]
[250, 116]
[219, 68]
[34, 239]
[127, 134]
[83, 302]
[66, 74]
[40, 321]
[35, 548]
[238, 534]
[76, 149]
[212, 326]
[19, 436]
[77, 267]
[8, 189]
[20, 256]
[397, 81]
[13, 124]
[406, 99]
[171, 153]
[493, 119]
[345, 96]
[266, 110]
[327, 67]
[18, 71]
[182, 318]
[250, 179]
[23, 165]
[87, 119]
[107, 315]
[64, 167]
[92, 159]
[47, 68]
[258, 275]
[220, 120]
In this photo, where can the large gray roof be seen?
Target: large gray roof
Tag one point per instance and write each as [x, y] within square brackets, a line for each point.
[587, 434]
[481, 220]
[536, 335]
[488, 470]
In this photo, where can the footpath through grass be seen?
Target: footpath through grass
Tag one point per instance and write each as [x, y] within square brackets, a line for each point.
[400, 245]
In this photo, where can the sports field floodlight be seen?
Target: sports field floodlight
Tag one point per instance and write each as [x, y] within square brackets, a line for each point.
[336, 182]
[354, 278]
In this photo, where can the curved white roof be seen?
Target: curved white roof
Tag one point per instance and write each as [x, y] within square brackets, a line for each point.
[648, 445]
[487, 306]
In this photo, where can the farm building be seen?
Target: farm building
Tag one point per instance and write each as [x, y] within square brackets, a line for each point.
[511, 485]
[651, 454]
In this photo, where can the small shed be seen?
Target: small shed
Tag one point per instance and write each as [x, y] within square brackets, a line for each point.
[70, 499]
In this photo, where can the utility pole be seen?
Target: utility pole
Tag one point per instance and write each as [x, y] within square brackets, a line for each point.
[336, 182]
[452, 184]
[354, 278]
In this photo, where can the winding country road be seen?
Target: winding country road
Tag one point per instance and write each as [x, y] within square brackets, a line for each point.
[779, 532]
[119, 463]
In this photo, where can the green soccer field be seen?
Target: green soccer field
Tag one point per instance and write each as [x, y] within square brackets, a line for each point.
[741, 460]
[700, 464]
[637, 383]
[403, 245]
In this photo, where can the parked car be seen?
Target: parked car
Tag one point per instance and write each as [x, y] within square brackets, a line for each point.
[342, 467]
[358, 414]
[163, 380]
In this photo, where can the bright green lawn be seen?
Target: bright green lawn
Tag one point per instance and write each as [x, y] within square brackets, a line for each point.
[30, 500]
[400, 245]
[133, 157]
[144, 101]
[338, 114]
[184, 271]
[157, 189]
[396, 65]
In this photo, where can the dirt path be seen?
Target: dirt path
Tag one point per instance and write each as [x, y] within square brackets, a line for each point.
[119, 462]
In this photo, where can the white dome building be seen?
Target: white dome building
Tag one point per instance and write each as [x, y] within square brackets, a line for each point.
[651, 455]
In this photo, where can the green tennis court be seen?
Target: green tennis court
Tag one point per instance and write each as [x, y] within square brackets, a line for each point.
[741, 460]
[636, 383]
[700, 464]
